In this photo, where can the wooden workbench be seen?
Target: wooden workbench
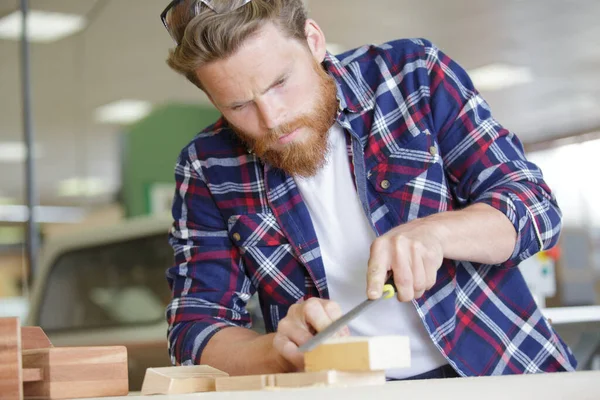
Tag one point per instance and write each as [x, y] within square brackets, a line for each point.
[565, 386]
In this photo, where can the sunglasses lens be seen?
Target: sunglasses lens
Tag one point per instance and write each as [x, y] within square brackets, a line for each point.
[224, 6]
[176, 16]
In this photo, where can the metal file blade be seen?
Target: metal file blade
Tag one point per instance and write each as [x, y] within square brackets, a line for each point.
[388, 291]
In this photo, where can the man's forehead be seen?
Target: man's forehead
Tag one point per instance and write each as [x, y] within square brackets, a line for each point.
[243, 87]
[259, 61]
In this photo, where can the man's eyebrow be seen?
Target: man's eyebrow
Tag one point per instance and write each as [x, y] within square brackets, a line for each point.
[281, 77]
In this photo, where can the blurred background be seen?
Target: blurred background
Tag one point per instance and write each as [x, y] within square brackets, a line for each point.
[109, 119]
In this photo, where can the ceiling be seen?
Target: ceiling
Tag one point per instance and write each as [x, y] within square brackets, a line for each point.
[121, 55]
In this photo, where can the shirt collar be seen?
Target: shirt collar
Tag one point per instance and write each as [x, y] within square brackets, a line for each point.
[353, 96]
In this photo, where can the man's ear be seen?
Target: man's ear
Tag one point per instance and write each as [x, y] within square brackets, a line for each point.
[316, 40]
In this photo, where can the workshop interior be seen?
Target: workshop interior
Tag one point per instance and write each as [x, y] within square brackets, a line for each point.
[92, 121]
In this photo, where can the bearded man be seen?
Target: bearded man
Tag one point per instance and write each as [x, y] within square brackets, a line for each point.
[325, 176]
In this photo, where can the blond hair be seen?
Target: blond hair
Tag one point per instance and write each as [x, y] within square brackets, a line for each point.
[209, 36]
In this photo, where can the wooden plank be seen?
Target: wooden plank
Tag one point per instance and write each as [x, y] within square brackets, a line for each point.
[33, 337]
[299, 379]
[248, 382]
[359, 354]
[181, 379]
[77, 372]
[11, 378]
[329, 378]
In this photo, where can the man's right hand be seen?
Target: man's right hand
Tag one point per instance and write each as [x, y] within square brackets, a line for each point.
[301, 323]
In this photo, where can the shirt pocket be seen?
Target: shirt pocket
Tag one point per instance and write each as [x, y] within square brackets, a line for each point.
[410, 177]
[403, 162]
[255, 230]
[268, 258]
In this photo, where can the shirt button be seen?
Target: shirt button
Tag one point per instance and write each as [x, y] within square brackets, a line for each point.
[237, 237]
[385, 184]
[433, 151]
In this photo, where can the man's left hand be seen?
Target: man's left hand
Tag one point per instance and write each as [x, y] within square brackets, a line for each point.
[412, 253]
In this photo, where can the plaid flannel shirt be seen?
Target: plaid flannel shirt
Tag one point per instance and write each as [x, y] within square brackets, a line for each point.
[413, 119]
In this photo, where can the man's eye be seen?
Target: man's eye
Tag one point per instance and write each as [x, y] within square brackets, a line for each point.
[238, 107]
[280, 82]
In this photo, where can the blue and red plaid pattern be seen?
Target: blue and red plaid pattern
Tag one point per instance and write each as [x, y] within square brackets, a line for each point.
[412, 118]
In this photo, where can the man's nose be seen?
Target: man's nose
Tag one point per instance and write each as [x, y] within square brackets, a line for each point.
[271, 113]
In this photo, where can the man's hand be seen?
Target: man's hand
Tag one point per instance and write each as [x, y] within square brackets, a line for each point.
[302, 321]
[412, 253]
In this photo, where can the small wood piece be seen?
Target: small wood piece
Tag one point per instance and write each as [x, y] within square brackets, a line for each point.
[32, 374]
[299, 379]
[33, 337]
[179, 380]
[71, 372]
[248, 382]
[329, 378]
[359, 354]
[10, 359]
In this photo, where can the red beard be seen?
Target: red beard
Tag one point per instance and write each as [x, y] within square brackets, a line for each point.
[302, 158]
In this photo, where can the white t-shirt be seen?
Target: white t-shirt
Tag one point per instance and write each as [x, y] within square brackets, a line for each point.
[345, 237]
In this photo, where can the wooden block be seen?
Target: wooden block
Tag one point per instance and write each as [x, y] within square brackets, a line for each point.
[33, 337]
[11, 378]
[249, 382]
[329, 378]
[179, 380]
[71, 372]
[359, 354]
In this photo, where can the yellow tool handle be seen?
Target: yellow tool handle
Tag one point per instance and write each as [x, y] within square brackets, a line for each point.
[388, 291]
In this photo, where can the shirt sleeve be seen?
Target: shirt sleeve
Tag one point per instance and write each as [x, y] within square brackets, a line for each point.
[209, 287]
[485, 162]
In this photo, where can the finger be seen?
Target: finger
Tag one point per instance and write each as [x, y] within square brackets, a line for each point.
[378, 266]
[431, 276]
[333, 309]
[300, 335]
[432, 265]
[401, 268]
[340, 333]
[418, 272]
[288, 350]
[345, 331]
[294, 328]
[315, 315]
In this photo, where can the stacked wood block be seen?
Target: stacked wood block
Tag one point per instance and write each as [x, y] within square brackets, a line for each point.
[350, 361]
[30, 367]
[74, 372]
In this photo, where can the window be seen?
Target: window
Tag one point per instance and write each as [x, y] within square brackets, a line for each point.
[117, 284]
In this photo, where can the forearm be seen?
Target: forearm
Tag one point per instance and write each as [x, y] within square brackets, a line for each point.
[478, 233]
[241, 351]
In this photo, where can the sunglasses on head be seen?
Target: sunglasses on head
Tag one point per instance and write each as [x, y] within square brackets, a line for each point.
[218, 6]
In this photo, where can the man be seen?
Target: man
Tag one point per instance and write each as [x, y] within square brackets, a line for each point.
[327, 174]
